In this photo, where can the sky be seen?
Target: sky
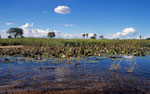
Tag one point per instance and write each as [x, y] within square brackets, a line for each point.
[72, 18]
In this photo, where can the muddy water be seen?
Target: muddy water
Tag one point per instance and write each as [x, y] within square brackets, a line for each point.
[91, 75]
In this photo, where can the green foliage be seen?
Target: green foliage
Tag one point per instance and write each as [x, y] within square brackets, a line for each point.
[76, 42]
[9, 37]
[148, 39]
[93, 37]
[84, 35]
[51, 34]
[66, 48]
[101, 37]
[15, 32]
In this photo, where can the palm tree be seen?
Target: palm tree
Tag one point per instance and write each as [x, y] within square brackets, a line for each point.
[51, 34]
[140, 37]
[83, 35]
[95, 35]
[87, 35]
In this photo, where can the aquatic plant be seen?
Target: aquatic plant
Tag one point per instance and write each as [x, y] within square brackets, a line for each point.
[68, 48]
[115, 65]
[132, 65]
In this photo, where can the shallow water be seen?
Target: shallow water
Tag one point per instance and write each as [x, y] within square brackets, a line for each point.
[87, 75]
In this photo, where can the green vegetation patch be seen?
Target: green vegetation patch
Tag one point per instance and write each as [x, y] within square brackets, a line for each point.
[73, 48]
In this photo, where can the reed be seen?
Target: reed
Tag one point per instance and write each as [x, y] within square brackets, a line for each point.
[66, 48]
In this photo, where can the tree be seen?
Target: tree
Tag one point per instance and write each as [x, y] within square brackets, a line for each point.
[148, 39]
[83, 35]
[87, 35]
[22, 36]
[51, 34]
[101, 37]
[140, 37]
[9, 37]
[93, 37]
[15, 32]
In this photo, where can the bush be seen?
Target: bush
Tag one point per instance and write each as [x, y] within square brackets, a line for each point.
[148, 39]
[93, 37]
[9, 37]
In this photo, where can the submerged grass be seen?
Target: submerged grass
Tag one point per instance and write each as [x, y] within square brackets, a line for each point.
[115, 65]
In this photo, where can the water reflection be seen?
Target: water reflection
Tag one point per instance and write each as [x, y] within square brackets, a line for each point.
[61, 72]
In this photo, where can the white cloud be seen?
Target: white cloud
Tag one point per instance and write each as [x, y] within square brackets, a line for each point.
[148, 36]
[126, 33]
[91, 35]
[69, 25]
[62, 9]
[9, 23]
[30, 32]
[3, 33]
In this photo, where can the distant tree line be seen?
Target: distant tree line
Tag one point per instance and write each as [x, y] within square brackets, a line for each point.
[92, 37]
[18, 33]
[85, 35]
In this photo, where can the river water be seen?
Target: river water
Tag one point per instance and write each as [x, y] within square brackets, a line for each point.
[92, 75]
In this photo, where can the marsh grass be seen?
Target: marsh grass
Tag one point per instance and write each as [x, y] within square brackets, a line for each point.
[70, 48]
[72, 42]
[115, 64]
[132, 65]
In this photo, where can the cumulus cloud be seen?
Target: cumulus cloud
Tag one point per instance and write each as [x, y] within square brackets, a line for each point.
[3, 33]
[148, 36]
[62, 9]
[9, 23]
[69, 25]
[126, 33]
[91, 35]
[29, 31]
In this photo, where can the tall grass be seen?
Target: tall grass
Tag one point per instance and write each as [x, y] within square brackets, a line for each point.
[72, 42]
[75, 47]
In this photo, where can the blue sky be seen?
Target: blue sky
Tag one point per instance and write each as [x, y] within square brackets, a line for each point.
[72, 18]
